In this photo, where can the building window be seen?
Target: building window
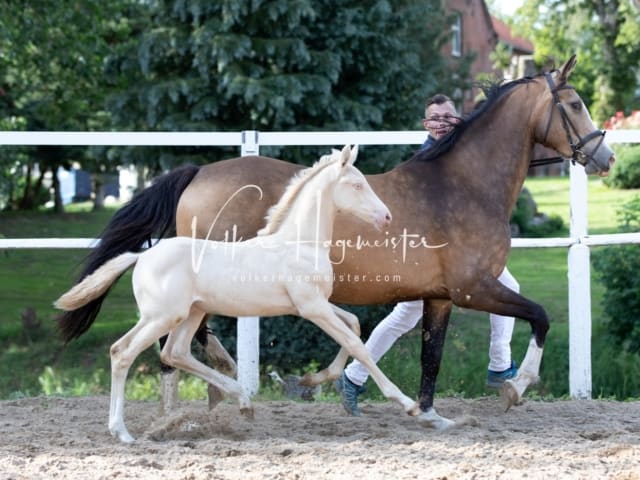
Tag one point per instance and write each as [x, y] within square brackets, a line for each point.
[456, 36]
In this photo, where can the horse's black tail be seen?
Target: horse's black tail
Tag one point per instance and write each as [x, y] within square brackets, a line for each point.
[150, 213]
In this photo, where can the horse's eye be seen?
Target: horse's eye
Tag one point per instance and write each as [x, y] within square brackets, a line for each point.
[576, 106]
[357, 186]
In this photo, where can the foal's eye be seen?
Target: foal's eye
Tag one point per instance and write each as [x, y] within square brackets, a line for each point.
[357, 186]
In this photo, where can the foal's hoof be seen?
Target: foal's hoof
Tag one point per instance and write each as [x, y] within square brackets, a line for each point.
[431, 419]
[309, 380]
[509, 395]
[123, 436]
[414, 410]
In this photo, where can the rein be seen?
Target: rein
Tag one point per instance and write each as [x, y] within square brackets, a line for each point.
[540, 162]
[576, 147]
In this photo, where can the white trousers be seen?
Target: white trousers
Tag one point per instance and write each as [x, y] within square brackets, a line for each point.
[406, 315]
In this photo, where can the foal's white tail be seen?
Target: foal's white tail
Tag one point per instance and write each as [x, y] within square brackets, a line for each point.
[94, 285]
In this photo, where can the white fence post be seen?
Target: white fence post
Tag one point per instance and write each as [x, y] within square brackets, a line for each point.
[248, 342]
[579, 290]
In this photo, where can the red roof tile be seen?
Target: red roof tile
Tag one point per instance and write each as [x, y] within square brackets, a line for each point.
[504, 35]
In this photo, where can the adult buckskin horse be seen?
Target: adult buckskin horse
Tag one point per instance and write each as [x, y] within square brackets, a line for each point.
[459, 194]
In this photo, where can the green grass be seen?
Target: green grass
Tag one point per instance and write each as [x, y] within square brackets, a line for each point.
[35, 278]
[35, 361]
[552, 196]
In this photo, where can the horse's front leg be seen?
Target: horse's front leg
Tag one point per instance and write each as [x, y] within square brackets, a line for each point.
[333, 371]
[435, 321]
[491, 296]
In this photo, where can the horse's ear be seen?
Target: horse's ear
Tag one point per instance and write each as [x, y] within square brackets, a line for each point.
[566, 70]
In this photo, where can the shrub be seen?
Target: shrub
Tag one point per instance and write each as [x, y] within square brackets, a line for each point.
[526, 221]
[626, 171]
[617, 268]
[524, 211]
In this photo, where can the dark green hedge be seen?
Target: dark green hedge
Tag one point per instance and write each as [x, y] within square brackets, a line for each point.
[617, 268]
[289, 343]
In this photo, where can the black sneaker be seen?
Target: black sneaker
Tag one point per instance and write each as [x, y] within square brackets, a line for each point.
[349, 392]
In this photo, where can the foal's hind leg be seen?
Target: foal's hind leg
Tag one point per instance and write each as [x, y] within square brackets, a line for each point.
[123, 353]
[177, 353]
[218, 357]
[335, 368]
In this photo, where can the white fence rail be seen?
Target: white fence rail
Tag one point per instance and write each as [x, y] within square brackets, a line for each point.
[579, 295]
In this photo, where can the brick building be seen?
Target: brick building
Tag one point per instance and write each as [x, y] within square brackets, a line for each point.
[475, 30]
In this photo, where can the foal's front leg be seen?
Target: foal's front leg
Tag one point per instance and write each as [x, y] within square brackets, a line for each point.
[319, 311]
[335, 368]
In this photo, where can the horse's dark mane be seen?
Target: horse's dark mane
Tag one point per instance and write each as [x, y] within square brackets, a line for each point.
[494, 92]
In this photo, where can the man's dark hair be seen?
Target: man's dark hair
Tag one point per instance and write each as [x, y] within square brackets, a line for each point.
[438, 99]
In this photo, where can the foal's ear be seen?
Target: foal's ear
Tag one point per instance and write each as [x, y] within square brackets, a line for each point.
[354, 155]
[566, 70]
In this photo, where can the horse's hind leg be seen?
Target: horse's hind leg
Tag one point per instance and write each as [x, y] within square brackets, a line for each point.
[335, 368]
[220, 360]
[435, 320]
[177, 353]
[169, 380]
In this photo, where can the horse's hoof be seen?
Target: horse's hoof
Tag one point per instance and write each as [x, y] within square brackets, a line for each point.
[215, 396]
[247, 412]
[509, 395]
[430, 419]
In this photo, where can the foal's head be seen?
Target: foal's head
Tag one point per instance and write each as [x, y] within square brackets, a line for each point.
[333, 179]
[352, 193]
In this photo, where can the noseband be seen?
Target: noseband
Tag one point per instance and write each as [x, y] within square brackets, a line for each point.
[578, 155]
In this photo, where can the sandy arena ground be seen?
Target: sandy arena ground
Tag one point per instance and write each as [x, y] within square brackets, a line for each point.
[50, 438]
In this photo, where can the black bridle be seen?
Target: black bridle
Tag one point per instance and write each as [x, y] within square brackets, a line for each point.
[578, 155]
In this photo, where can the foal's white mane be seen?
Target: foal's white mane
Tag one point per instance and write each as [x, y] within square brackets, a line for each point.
[278, 212]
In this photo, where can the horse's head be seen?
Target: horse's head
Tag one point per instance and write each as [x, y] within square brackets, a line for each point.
[353, 193]
[565, 125]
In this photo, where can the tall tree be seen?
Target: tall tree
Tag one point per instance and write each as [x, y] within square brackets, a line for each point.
[606, 36]
[280, 65]
[51, 61]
